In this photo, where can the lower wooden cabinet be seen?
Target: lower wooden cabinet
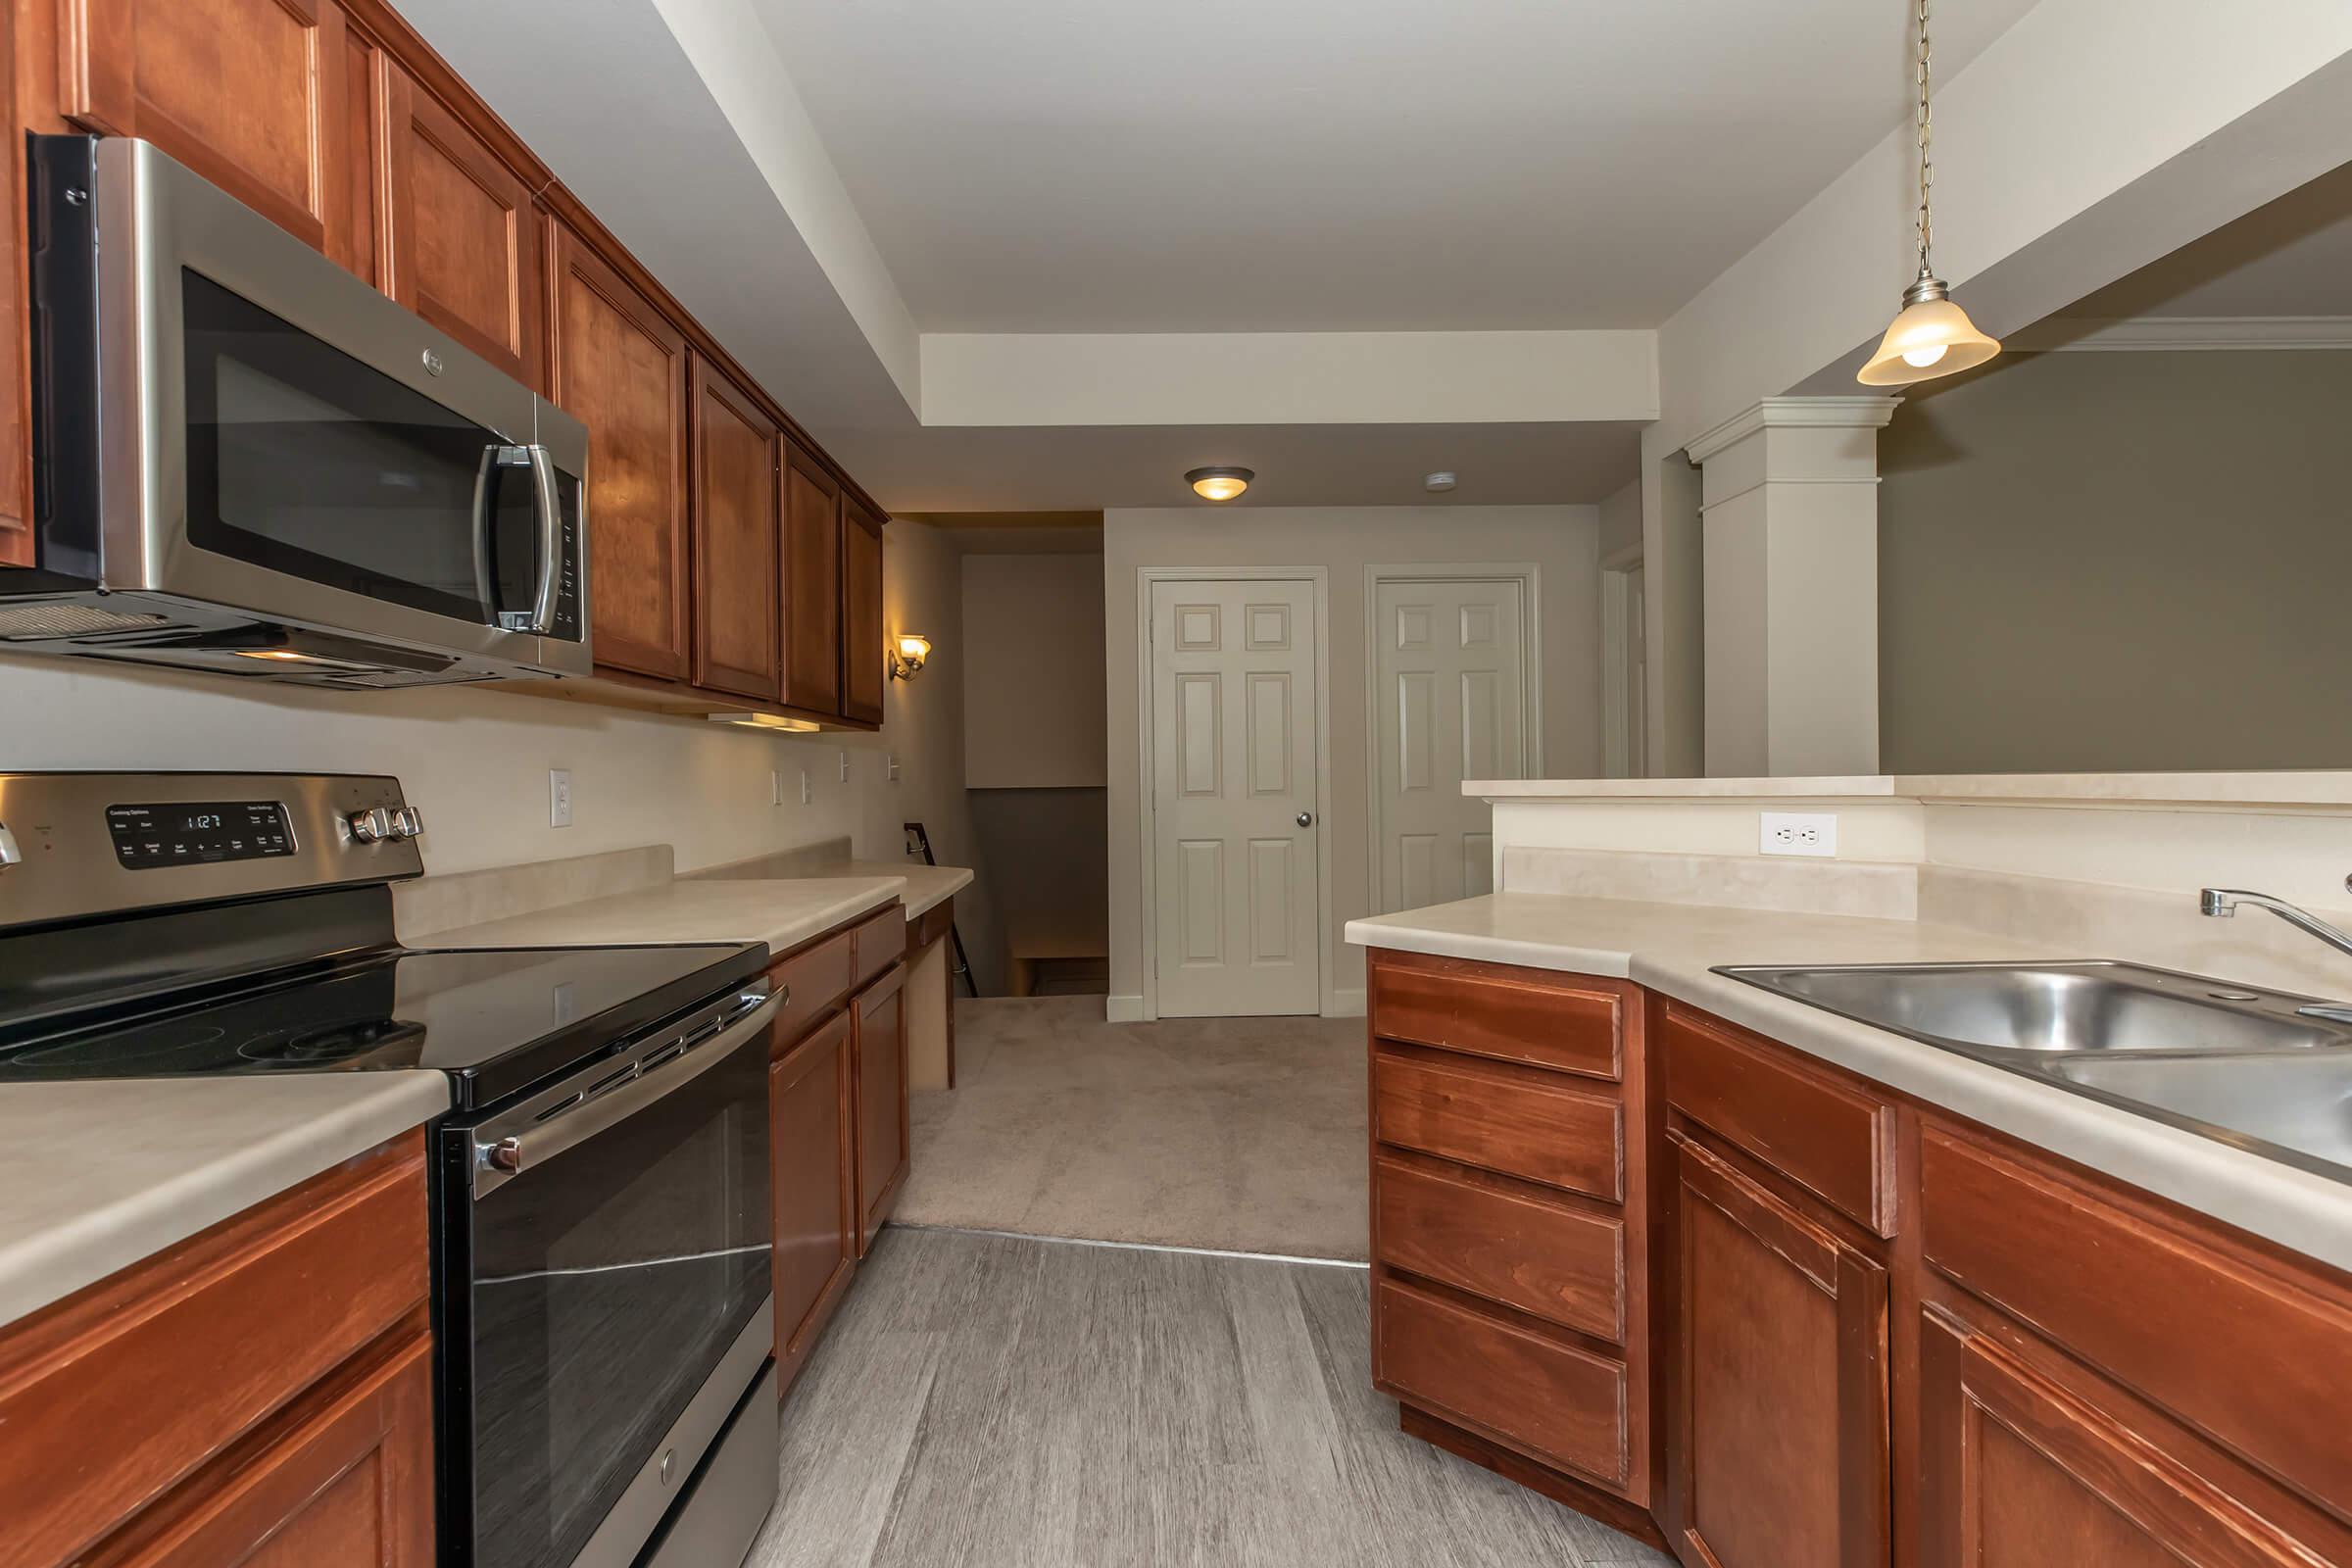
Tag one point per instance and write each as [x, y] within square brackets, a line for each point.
[1777, 1391]
[2017, 1470]
[883, 1145]
[811, 1114]
[347, 1484]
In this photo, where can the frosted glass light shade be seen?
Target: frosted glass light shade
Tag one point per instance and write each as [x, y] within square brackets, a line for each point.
[1932, 337]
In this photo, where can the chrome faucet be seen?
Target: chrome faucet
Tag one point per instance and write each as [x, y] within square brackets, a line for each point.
[2222, 903]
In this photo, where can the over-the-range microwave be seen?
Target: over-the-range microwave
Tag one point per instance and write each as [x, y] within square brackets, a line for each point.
[247, 459]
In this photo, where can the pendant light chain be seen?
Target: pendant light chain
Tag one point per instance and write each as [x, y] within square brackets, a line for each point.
[1927, 128]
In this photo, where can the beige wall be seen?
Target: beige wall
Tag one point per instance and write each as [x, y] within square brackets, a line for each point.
[1563, 542]
[1620, 521]
[476, 761]
[2097, 562]
[1033, 676]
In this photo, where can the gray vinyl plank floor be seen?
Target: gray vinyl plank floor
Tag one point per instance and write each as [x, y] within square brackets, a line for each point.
[1005, 1402]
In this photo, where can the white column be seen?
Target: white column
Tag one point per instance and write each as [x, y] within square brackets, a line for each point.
[1790, 508]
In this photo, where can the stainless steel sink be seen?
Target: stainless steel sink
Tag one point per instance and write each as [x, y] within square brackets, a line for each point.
[2263, 1071]
[2300, 1103]
[2091, 1007]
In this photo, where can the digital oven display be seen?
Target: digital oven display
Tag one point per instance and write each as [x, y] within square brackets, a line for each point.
[198, 832]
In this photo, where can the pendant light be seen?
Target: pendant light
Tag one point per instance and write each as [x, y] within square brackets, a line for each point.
[1931, 336]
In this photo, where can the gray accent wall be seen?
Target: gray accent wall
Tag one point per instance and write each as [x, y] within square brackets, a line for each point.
[2095, 562]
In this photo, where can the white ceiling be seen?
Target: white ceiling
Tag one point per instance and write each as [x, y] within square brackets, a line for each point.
[1123, 166]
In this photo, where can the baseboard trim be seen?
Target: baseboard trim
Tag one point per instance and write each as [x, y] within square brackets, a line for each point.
[1350, 1004]
[1117, 1009]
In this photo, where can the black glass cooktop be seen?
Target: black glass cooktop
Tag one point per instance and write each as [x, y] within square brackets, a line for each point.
[496, 1021]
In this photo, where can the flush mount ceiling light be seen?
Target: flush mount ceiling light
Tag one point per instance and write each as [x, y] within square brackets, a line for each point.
[1439, 483]
[908, 650]
[1219, 484]
[1931, 336]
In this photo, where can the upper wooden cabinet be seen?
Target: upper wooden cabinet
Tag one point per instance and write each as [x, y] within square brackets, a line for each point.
[738, 463]
[812, 584]
[461, 237]
[252, 94]
[862, 653]
[619, 364]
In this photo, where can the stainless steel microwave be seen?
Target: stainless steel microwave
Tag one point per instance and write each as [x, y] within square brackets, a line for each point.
[247, 459]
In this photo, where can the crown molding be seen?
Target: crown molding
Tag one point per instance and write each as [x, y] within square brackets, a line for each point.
[2145, 334]
[1849, 413]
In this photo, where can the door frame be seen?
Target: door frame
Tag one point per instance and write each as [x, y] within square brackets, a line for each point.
[1318, 582]
[1617, 739]
[1531, 680]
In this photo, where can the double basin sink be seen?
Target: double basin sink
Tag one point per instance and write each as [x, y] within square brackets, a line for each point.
[2263, 1071]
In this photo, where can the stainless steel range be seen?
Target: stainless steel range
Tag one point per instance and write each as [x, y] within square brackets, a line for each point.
[602, 1313]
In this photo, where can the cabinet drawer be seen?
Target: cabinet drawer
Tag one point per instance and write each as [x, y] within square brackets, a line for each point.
[1511, 1121]
[935, 922]
[2232, 1343]
[1496, 1010]
[879, 940]
[1560, 1405]
[1542, 1257]
[811, 980]
[1834, 1140]
[111, 1395]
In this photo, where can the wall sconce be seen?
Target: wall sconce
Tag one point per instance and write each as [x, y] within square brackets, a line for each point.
[908, 650]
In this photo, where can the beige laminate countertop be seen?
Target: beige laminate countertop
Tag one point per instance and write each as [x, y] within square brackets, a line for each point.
[96, 1175]
[1674, 949]
[781, 914]
[925, 885]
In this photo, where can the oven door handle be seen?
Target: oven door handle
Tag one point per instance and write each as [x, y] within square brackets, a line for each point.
[497, 1159]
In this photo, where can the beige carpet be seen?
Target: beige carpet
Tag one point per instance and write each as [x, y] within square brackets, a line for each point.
[1243, 1133]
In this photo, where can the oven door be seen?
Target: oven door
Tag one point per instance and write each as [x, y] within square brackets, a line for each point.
[609, 1263]
[287, 442]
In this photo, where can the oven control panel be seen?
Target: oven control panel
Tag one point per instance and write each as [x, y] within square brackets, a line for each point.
[198, 832]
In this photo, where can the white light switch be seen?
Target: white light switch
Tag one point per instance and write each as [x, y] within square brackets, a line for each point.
[559, 796]
[775, 787]
[804, 786]
[891, 771]
[844, 765]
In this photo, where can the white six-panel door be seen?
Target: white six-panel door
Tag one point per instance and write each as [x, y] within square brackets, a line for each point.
[1449, 681]
[1235, 913]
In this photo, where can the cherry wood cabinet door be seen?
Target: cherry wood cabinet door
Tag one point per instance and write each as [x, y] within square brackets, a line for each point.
[812, 595]
[462, 239]
[619, 366]
[811, 1105]
[252, 94]
[880, 1034]
[2017, 1470]
[345, 1483]
[738, 468]
[862, 653]
[1775, 1407]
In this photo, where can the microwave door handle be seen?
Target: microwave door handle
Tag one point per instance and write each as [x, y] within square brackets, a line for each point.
[551, 541]
[499, 1155]
[486, 497]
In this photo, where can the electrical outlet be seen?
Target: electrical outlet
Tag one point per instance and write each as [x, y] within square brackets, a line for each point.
[804, 786]
[889, 771]
[559, 796]
[844, 765]
[1799, 833]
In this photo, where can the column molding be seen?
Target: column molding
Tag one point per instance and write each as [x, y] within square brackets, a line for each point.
[1856, 413]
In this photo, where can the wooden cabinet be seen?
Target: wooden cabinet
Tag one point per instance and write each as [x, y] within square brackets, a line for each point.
[812, 1115]
[738, 471]
[862, 672]
[621, 367]
[879, 1035]
[345, 1483]
[1776, 1396]
[2017, 1470]
[461, 236]
[252, 94]
[812, 591]
[266, 1382]
[1510, 1222]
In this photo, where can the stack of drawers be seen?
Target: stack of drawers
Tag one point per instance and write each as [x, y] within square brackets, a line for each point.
[1508, 1224]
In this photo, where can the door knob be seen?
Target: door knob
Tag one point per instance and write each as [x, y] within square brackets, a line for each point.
[1306, 819]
